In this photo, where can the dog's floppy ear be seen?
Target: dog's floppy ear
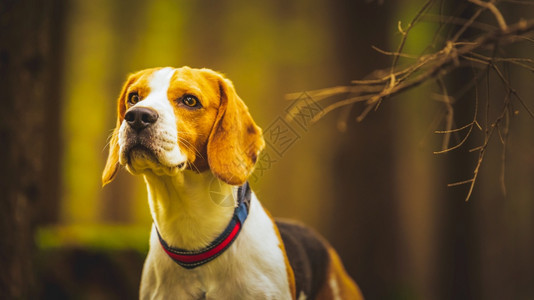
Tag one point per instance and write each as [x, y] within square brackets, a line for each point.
[235, 141]
[112, 164]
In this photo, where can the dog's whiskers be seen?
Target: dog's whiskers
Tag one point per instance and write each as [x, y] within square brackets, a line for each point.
[190, 146]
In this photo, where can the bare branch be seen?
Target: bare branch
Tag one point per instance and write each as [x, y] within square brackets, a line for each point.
[437, 64]
[455, 52]
[491, 6]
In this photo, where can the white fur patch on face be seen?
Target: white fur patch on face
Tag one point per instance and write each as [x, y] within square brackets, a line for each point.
[156, 147]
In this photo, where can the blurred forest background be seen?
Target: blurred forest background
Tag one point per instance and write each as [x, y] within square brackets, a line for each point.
[375, 189]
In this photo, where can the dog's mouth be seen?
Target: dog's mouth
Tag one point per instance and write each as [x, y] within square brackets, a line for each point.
[138, 157]
[139, 151]
[150, 151]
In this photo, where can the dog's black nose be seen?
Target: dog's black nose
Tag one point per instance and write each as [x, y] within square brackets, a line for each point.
[140, 117]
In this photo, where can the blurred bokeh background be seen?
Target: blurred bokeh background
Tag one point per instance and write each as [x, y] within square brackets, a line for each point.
[375, 190]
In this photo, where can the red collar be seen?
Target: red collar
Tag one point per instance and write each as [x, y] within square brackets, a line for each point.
[191, 259]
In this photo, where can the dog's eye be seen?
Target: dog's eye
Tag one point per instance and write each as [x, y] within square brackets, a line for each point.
[133, 98]
[190, 100]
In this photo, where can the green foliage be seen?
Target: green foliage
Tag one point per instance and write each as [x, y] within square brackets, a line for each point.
[98, 237]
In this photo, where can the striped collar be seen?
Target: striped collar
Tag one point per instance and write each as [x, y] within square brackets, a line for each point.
[191, 259]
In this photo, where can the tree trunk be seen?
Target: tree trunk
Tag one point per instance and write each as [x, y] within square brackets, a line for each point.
[29, 122]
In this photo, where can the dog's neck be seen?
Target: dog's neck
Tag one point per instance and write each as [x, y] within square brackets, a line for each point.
[190, 209]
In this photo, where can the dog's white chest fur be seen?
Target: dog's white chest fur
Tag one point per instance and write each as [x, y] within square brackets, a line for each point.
[252, 268]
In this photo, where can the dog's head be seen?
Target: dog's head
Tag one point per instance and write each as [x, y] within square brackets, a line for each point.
[170, 120]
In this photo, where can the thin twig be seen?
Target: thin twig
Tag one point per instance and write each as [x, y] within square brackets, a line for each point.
[407, 30]
[494, 10]
[449, 114]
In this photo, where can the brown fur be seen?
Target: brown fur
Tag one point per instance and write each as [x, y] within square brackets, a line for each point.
[315, 263]
[347, 288]
[235, 140]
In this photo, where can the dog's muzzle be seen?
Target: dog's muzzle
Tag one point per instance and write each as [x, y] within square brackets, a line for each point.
[139, 120]
[145, 145]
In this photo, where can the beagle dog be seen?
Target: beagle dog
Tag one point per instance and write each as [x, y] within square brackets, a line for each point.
[192, 139]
